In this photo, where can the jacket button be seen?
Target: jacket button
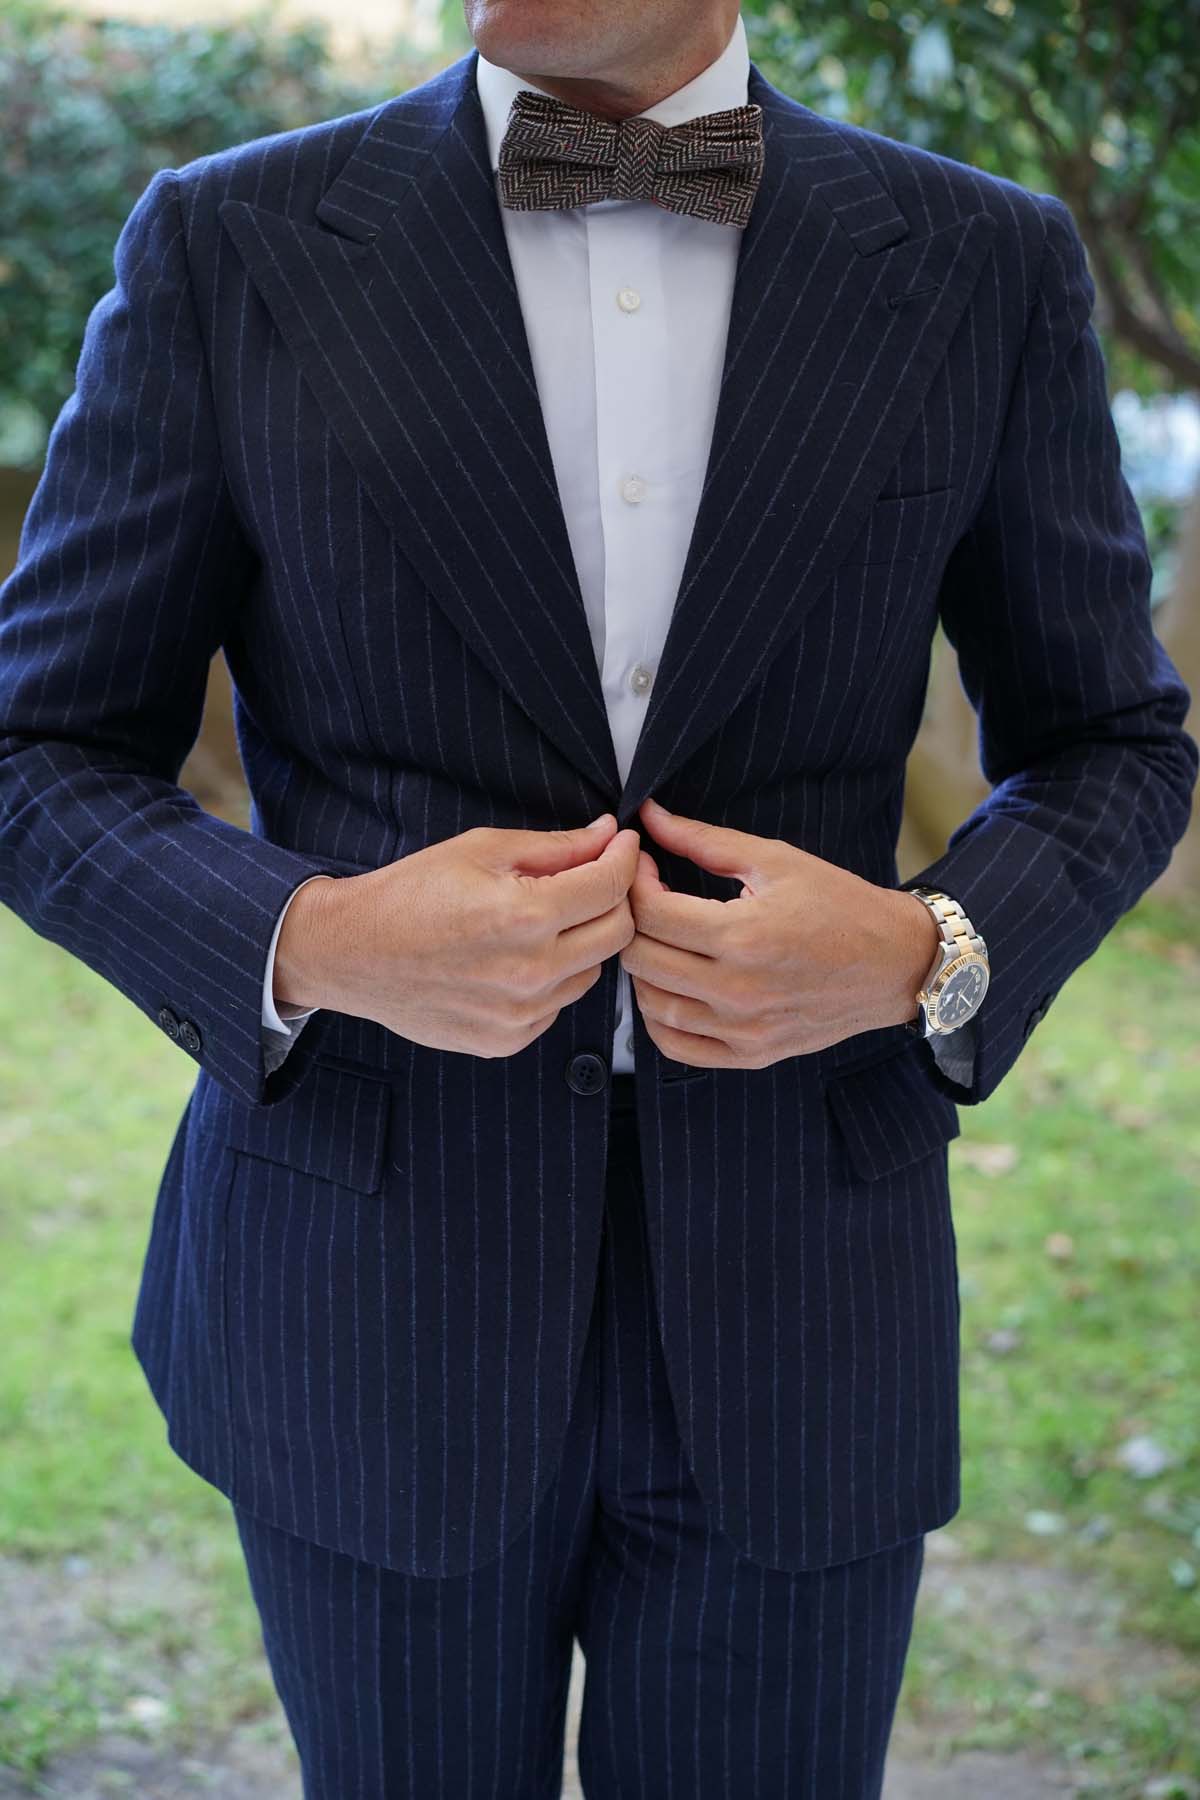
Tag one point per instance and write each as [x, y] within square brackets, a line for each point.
[1038, 1014]
[169, 1022]
[189, 1037]
[587, 1073]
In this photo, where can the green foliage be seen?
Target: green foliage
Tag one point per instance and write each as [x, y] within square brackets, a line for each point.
[91, 109]
[1098, 104]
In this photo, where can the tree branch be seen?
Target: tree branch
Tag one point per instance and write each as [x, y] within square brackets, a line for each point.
[1131, 207]
[1054, 152]
[1137, 254]
[1163, 346]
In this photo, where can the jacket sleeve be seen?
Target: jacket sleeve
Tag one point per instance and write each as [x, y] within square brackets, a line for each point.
[131, 564]
[1080, 710]
[954, 1052]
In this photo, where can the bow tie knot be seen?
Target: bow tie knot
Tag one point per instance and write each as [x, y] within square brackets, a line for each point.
[553, 155]
[636, 161]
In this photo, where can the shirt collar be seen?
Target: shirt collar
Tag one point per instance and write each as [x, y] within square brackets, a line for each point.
[722, 84]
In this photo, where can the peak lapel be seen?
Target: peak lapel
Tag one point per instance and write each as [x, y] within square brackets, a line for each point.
[403, 315]
[822, 382]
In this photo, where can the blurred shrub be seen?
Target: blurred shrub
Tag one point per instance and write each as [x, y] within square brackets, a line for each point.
[91, 108]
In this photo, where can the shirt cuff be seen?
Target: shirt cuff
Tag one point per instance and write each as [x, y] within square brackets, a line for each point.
[292, 1015]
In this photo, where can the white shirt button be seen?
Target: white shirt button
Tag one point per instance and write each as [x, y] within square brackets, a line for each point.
[633, 489]
[629, 1043]
[640, 678]
[628, 299]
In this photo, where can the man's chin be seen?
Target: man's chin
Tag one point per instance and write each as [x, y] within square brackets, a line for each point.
[542, 39]
[526, 55]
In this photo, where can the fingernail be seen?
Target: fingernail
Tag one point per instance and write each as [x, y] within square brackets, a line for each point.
[598, 821]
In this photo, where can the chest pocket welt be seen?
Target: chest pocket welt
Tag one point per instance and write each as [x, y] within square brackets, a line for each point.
[333, 1125]
[889, 1113]
[901, 526]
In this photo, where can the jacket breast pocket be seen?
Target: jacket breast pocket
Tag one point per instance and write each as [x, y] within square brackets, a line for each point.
[333, 1125]
[889, 1114]
[900, 526]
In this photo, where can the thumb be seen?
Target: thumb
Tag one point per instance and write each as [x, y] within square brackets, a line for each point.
[545, 852]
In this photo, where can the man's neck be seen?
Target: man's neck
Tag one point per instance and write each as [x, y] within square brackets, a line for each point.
[622, 93]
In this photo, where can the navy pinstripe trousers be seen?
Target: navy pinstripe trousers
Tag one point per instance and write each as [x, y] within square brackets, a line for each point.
[707, 1674]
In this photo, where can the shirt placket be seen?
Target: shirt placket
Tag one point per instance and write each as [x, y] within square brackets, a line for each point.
[633, 467]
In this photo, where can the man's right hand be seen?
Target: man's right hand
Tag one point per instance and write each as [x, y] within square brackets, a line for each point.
[475, 943]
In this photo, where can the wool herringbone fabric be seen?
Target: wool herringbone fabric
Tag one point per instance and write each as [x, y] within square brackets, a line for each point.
[707, 1677]
[556, 155]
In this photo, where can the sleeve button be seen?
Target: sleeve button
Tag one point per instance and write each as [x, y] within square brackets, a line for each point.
[189, 1037]
[1038, 1014]
[169, 1022]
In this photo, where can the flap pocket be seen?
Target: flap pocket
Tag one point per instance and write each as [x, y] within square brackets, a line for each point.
[900, 525]
[890, 1113]
[334, 1124]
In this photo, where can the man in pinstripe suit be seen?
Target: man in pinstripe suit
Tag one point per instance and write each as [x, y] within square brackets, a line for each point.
[556, 1242]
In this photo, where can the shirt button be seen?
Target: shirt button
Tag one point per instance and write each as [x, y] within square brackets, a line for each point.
[628, 299]
[640, 678]
[633, 489]
[629, 1043]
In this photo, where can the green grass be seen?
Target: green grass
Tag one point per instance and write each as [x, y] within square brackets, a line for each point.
[1103, 1108]
[90, 1094]
[1083, 1254]
[1085, 1249]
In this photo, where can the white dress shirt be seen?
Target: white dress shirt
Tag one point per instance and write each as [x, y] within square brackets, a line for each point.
[626, 309]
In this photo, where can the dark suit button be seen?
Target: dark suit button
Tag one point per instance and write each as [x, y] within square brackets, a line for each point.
[1038, 1014]
[169, 1022]
[587, 1072]
[189, 1037]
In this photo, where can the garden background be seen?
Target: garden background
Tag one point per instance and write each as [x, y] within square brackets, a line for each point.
[1057, 1646]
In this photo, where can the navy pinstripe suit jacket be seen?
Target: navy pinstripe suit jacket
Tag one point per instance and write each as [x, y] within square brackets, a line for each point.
[305, 429]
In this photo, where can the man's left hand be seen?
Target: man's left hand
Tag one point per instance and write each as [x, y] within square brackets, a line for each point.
[806, 955]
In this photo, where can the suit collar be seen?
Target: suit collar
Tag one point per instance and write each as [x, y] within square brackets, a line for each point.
[401, 307]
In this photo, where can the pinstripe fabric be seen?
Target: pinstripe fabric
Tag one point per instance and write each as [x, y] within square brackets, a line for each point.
[306, 428]
[706, 1675]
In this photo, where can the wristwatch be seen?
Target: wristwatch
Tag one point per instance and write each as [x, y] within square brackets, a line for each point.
[958, 977]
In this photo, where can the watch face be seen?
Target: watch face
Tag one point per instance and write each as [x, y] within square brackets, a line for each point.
[964, 988]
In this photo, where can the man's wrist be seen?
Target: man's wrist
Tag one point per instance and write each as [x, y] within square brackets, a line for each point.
[916, 940]
[301, 975]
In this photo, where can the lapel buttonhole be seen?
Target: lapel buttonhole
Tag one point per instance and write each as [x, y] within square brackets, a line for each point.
[913, 293]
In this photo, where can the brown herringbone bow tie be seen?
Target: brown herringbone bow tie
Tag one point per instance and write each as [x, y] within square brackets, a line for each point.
[553, 155]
